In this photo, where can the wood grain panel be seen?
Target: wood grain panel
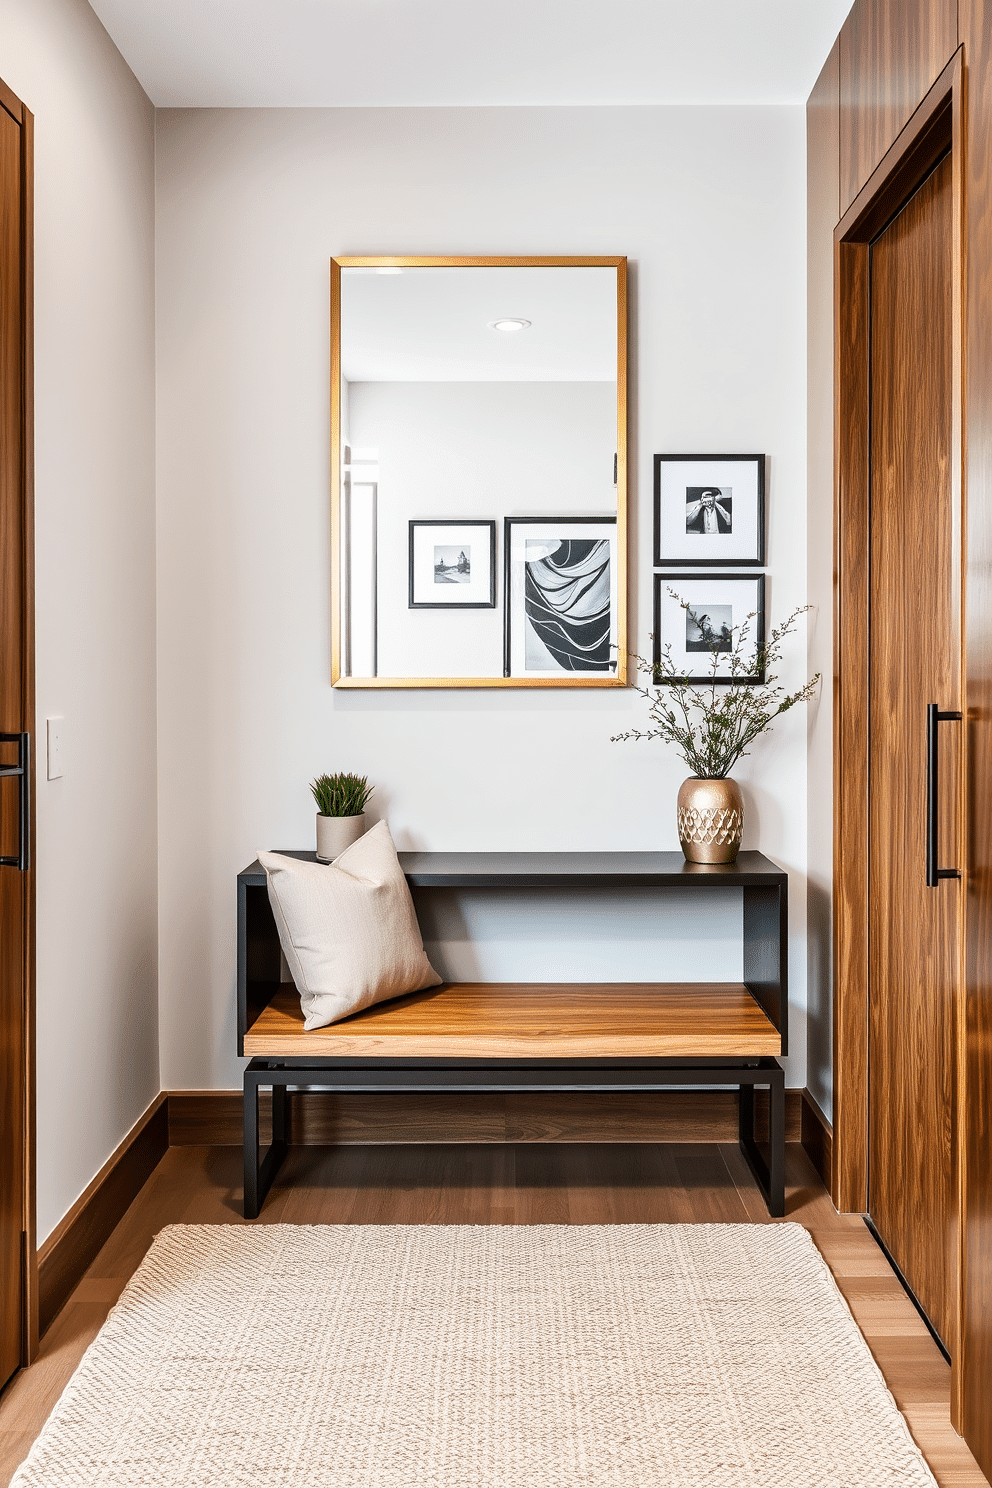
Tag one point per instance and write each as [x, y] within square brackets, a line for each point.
[934, 127]
[890, 53]
[12, 568]
[519, 1021]
[914, 652]
[849, 1184]
[17, 1328]
[975, 1049]
[11, 103]
[319, 1118]
[28, 690]
[823, 170]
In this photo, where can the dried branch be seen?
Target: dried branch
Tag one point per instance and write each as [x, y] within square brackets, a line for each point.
[713, 723]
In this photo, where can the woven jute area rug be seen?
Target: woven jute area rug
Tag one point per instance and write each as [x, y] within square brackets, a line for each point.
[340, 1356]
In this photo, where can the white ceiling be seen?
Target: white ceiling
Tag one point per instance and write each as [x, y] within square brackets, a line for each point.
[435, 325]
[388, 53]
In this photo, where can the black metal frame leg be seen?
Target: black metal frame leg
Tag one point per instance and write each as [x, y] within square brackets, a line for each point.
[769, 1176]
[776, 1148]
[260, 1171]
[482, 1076]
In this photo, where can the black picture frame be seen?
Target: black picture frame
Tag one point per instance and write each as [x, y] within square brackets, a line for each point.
[680, 582]
[672, 498]
[487, 526]
[608, 526]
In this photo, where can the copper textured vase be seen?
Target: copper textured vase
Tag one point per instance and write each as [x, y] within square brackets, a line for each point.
[711, 820]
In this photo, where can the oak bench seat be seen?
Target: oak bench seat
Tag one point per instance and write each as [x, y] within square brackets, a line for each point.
[519, 1020]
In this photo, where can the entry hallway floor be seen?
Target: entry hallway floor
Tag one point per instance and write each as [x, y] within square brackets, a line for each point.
[535, 1183]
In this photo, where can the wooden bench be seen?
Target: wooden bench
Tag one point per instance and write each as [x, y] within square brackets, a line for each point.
[499, 1037]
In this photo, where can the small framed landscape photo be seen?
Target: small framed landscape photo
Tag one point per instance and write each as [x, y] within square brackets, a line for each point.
[560, 591]
[724, 611]
[453, 565]
[709, 509]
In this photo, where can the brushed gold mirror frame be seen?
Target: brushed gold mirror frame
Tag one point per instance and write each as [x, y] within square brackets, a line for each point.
[365, 261]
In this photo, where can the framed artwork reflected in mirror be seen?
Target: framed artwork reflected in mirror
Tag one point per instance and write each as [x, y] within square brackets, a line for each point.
[452, 565]
[560, 592]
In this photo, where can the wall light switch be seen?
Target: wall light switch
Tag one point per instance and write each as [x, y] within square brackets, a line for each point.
[55, 727]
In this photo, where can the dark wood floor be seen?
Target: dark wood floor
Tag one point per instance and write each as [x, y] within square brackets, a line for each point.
[538, 1183]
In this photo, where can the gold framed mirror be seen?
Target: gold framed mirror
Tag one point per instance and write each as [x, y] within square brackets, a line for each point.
[478, 472]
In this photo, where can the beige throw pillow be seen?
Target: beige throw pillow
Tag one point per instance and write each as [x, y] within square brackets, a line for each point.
[348, 929]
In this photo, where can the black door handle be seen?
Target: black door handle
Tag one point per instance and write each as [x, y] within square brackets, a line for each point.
[935, 717]
[22, 772]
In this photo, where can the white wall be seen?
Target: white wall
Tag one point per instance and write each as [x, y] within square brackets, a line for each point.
[474, 449]
[709, 205]
[96, 858]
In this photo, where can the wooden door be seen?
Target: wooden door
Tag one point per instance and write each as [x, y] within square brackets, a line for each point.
[16, 723]
[914, 650]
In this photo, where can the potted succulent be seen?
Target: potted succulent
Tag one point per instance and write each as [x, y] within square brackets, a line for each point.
[341, 801]
[713, 723]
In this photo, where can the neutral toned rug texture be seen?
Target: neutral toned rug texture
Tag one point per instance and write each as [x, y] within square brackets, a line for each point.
[340, 1356]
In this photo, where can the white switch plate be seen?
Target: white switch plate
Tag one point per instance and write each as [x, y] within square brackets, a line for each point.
[55, 726]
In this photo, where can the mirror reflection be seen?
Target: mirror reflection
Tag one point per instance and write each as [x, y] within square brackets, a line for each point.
[480, 451]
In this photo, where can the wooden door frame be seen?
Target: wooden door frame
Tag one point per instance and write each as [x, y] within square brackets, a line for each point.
[29, 1260]
[936, 127]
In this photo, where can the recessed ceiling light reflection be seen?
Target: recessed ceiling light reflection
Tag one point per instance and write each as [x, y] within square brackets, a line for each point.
[510, 324]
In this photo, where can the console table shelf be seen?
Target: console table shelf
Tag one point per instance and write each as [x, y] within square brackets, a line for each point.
[488, 1037]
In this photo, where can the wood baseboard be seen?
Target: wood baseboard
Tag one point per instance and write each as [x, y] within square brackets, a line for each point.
[78, 1237]
[817, 1136]
[317, 1119]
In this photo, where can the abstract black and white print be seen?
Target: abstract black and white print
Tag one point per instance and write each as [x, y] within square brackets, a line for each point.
[567, 604]
[561, 597]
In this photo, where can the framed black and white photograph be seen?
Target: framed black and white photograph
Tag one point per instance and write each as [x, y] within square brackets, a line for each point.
[724, 611]
[709, 510]
[561, 596]
[452, 565]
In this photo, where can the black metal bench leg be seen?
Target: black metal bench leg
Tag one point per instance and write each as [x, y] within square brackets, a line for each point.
[745, 1117]
[250, 1140]
[770, 1176]
[776, 1146]
[279, 1114]
[259, 1173]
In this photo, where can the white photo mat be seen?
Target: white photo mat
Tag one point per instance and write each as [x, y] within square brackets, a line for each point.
[526, 654]
[730, 530]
